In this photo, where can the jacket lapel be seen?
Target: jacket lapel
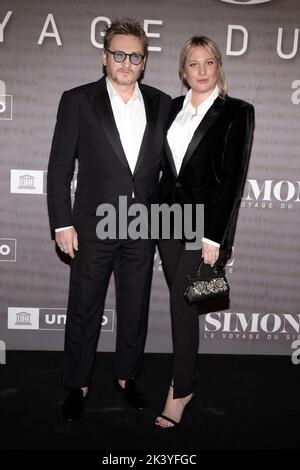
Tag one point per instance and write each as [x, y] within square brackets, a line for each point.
[210, 117]
[176, 107]
[170, 158]
[103, 110]
[151, 107]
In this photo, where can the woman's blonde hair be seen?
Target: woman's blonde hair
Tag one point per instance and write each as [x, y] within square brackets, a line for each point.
[212, 47]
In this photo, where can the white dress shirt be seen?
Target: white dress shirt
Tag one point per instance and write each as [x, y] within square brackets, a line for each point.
[130, 120]
[182, 130]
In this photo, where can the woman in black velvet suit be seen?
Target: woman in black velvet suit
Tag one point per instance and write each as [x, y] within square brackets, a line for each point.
[207, 151]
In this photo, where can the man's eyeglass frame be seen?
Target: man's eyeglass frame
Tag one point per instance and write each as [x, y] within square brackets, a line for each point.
[139, 57]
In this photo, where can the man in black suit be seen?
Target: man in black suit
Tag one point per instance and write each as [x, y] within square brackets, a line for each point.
[115, 128]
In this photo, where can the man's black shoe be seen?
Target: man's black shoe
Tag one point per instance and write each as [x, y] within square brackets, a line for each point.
[131, 393]
[73, 405]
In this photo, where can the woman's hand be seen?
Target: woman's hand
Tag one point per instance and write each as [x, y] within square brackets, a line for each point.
[210, 253]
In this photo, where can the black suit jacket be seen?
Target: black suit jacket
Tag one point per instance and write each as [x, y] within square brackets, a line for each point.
[214, 167]
[86, 130]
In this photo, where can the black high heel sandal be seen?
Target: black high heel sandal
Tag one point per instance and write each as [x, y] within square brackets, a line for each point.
[172, 421]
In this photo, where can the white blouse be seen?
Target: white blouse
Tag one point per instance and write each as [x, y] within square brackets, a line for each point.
[184, 125]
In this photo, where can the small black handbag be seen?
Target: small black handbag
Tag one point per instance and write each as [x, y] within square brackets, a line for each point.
[209, 283]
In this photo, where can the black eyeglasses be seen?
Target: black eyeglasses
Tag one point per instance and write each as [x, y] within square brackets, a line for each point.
[120, 56]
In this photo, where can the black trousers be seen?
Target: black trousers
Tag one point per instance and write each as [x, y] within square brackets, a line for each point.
[132, 264]
[177, 264]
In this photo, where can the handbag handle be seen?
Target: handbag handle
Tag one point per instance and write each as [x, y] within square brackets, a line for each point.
[204, 267]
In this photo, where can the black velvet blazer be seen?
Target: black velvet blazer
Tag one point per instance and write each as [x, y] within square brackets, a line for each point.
[214, 167]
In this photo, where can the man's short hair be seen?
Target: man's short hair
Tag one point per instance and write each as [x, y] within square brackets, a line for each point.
[126, 26]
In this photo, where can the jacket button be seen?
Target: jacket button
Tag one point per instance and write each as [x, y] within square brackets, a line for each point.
[133, 178]
[178, 185]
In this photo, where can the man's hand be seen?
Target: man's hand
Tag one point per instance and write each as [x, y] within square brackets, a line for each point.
[210, 253]
[67, 241]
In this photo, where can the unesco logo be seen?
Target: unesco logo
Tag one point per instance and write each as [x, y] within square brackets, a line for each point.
[55, 319]
[27, 181]
[24, 318]
[246, 2]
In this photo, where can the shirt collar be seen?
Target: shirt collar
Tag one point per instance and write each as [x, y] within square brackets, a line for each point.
[205, 105]
[112, 93]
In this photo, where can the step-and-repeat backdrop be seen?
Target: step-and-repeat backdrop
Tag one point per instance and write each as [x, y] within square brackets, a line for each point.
[47, 47]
